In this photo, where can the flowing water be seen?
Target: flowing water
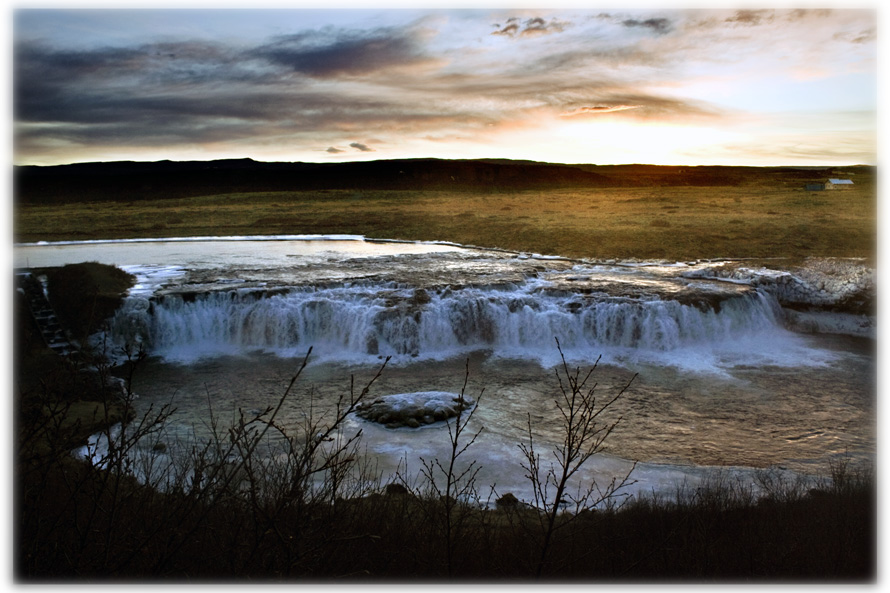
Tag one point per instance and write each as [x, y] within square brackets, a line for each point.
[716, 378]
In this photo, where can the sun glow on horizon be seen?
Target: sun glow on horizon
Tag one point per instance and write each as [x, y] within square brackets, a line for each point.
[621, 142]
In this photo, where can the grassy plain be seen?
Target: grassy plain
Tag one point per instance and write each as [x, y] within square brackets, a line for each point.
[675, 223]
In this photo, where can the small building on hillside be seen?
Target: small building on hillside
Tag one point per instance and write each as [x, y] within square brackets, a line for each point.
[838, 184]
[830, 184]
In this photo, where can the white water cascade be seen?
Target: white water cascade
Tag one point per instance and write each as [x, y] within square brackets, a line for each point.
[363, 322]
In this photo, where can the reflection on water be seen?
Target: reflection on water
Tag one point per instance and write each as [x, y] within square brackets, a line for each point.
[218, 252]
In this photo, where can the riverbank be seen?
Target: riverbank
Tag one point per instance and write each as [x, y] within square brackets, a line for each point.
[67, 398]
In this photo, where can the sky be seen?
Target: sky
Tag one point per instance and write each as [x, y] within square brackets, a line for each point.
[726, 86]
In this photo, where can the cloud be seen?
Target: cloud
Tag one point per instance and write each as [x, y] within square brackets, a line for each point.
[191, 92]
[197, 91]
[643, 106]
[598, 109]
[510, 29]
[857, 38]
[397, 85]
[807, 13]
[658, 25]
[532, 27]
[332, 52]
[90, 85]
[751, 18]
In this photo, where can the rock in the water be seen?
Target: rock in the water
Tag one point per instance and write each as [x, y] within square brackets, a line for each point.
[413, 409]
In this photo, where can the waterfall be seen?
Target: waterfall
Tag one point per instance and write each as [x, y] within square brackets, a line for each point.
[356, 322]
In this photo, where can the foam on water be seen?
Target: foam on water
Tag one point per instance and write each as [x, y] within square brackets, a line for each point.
[361, 323]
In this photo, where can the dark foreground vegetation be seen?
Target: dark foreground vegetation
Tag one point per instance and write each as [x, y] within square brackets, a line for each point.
[317, 512]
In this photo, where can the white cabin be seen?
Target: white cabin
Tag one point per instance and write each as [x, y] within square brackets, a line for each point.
[838, 184]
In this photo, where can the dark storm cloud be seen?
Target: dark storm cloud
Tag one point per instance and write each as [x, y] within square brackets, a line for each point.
[190, 92]
[87, 116]
[331, 52]
[660, 25]
[162, 61]
[361, 147]
[52, 84]
[530, 27]
[63, 85]
[92, 115]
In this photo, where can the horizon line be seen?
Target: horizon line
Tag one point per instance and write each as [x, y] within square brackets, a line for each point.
[429, 158]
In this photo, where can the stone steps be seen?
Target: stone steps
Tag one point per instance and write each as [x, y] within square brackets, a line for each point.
[44, 316]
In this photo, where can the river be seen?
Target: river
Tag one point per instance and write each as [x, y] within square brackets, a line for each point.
[721, 376]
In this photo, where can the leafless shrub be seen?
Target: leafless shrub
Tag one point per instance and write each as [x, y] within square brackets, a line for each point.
[451, 485]
[584, 434]
[780, 485]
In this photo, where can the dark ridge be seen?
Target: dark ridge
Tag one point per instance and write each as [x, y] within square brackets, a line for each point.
[141, 180]
[129, 180]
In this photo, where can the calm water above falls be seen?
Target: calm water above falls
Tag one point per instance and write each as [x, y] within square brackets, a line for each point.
[720, 380]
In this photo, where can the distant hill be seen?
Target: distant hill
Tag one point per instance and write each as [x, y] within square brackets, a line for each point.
[142, 180]
[128, 180]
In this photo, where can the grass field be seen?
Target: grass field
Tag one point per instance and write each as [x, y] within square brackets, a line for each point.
[675, 223]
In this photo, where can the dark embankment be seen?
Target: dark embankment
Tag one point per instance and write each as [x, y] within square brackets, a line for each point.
[59, 401]
[85, 295]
